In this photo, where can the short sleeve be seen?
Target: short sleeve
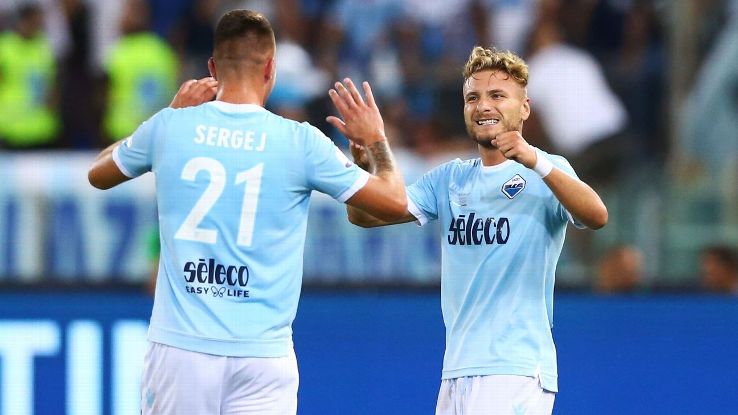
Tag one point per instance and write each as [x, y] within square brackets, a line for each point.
[422, 195]
[328, 170]
[561, 211]
[134, 155]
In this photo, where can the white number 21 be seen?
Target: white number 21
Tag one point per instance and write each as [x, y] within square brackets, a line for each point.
[189, 229]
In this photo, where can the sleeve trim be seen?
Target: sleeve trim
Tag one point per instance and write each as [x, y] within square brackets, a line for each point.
[358, 184]
[575, 222]
[421, 219]
[119, 163]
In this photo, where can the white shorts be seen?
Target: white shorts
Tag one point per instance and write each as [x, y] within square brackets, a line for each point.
[494, 395]
[181, 382]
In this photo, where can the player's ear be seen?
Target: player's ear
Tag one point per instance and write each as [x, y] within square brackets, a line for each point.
[525, 110]
[211, 68]
[270, 69]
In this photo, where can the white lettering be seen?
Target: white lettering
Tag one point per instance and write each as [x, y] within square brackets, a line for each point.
[200, 134]
[263, 142]
[19, 343]
[237, 139]
[84, 371]
[249, 141]
[226, 138]
[212, 133]
[129, 347]
[223, 135]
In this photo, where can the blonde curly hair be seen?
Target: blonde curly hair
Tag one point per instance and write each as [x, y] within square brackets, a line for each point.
[482, 59]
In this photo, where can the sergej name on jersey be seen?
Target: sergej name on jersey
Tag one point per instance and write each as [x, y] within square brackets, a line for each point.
[214, 136]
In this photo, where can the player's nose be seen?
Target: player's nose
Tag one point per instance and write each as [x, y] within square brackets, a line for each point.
[484, 105]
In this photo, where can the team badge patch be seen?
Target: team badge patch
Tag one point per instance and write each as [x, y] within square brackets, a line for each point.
[513, 187]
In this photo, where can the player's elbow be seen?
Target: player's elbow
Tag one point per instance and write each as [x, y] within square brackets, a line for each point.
[395, 209]
[97, 180]
[599, 219]
[360, 222]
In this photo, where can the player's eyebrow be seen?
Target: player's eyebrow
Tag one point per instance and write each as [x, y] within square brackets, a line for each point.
[487, 92]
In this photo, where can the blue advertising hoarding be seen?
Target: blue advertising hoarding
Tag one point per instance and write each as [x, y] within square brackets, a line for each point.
[380, 353]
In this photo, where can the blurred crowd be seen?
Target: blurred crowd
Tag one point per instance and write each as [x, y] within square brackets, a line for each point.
[79, 74]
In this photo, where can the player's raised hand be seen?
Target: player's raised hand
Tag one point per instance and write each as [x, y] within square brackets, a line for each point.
[514, 147]
[195, 92]
[359, 121]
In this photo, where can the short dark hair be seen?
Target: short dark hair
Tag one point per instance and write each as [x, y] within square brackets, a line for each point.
[243, 35]
[29, 10]
[725, 254]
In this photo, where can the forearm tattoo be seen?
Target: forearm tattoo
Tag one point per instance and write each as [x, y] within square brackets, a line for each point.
[382, 157]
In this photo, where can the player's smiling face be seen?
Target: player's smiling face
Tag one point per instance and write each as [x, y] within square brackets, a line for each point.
[493, 104]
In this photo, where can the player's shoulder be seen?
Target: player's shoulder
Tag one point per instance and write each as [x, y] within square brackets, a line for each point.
[554, 158]
[451, 170]
[458, 165]
[165, 115]
[307, 134]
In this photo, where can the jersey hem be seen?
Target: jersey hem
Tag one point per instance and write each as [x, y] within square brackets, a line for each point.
[548, 381]
[358, 184]
[224, 347]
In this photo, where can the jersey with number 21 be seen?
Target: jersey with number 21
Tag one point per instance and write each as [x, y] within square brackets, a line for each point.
[233, 188]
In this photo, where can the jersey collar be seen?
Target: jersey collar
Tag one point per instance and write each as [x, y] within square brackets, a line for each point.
[230, 107]
[496, 167]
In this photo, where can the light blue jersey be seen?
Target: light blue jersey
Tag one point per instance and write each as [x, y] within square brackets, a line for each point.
[502, 231]
[233, 188]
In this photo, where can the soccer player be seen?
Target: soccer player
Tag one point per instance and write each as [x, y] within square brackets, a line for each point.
[233, 185]
[503, 218]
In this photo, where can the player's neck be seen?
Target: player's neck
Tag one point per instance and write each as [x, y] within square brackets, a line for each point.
[240, 93]
[490, 156]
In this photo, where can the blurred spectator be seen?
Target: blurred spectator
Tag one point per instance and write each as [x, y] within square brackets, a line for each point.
[300, 82]
[719, 269]
[28, 117]
[620, 271]
[436, 36]
[142, 73]
[357, 42]
[78, 92]
[637, 75]
[193, 37]
[355, 39]
[709, 120]
[626, 39]
[509, 23]
[578, 113]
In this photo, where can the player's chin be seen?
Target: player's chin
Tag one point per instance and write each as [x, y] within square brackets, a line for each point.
[484, 140]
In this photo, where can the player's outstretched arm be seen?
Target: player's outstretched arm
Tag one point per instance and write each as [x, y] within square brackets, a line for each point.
[576, 196]
[104, 173]
[357, 216]
[383, 196]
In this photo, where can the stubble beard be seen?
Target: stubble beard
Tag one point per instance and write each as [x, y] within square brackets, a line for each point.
[486, 141]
